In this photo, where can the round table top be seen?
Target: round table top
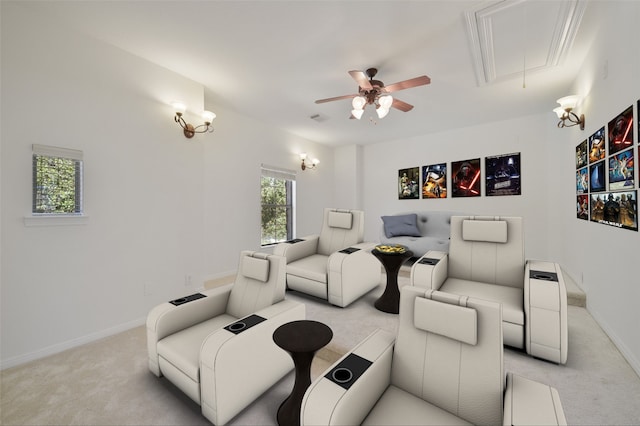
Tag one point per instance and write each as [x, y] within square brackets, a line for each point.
[302, 336]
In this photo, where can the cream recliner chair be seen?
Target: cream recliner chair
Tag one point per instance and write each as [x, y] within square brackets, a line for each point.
[336, 265]
[217, 345]
[486, 260]
[444, 367]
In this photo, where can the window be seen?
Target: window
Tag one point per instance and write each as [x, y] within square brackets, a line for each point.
[277, 192]
[57, 181]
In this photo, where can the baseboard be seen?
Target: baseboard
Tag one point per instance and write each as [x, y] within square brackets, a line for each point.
[628, 355]
[70, 344]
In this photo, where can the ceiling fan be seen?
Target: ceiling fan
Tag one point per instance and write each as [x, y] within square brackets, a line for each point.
[374, 92]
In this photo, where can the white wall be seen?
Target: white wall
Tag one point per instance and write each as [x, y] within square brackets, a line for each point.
[160, 207]
[527, 135]
[603, 259]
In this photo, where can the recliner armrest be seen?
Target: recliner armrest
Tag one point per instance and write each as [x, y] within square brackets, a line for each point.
[429, 274]
[235, 369]
[527, 402]
[545, 308]
[167, 318]
[292, 252]
[352, 274]
[328, 403]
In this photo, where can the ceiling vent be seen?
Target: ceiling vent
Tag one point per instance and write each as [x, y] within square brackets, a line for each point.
[511, 37]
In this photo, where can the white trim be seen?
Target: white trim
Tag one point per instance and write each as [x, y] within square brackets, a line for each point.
[54, 151]
[70, 344]
[626, 353]
[56, 220]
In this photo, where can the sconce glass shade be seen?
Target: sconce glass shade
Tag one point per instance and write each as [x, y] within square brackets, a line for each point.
[208, 117]
[385, 102]
[315, 162]
[568, 102]
[179, 107]
[559, 112]
[303, 155]
[358, 103]
[357, 113]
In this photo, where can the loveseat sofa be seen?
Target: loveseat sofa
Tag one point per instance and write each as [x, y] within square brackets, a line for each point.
[420, 231]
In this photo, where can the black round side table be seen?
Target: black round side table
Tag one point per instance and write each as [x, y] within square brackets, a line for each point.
[301, 339]
[392, 261]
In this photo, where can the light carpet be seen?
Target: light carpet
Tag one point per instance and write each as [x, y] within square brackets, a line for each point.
[107, 382]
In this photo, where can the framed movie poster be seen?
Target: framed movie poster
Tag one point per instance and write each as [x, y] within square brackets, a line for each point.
[582, 206]
[434, 181]
[582, 180]
[619, 209]
[596, 146]
[502, 174]
[621, 131]
[597, 177]
[621, 171]
[409, 183]
[581, 154]
[465, 178]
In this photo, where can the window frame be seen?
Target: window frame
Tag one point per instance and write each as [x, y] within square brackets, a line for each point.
[289, 177]
[77, 216]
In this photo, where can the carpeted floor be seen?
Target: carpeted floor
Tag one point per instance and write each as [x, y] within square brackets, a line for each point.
[107, 382]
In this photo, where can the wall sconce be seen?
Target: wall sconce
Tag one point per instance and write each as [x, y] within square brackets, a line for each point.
[305, 166]
[565, 112]
[189, 129]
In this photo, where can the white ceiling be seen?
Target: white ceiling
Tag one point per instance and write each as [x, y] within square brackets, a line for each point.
[272, 59]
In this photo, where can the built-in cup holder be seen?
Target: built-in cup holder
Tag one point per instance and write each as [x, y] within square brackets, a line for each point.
[429, 261]
[342, 375]
[186, 299]
[244, 324]
[237, 326]
[543, 276]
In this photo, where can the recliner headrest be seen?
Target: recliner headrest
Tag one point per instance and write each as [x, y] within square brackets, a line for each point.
[454, 321]
[255, 266]
[340, 219]
[491, 231]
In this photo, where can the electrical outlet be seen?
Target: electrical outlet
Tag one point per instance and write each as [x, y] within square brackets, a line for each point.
[148, 291]
[187, 280]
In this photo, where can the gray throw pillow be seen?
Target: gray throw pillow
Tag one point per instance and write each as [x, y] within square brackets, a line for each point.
[401, 225]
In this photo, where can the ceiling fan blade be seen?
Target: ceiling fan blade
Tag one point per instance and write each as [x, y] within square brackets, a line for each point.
[402, 106]
[337, 98]
[407, 84]
[361, 79]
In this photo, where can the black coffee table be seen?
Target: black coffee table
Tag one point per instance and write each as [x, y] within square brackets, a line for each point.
[301, 339]
[392, 261]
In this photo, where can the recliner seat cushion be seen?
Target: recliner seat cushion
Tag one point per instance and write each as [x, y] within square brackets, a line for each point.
[182, 349]
[312, 267]
[398, 407]
[511, 298]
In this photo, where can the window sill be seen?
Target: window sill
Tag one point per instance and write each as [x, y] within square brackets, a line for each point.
[56, 220]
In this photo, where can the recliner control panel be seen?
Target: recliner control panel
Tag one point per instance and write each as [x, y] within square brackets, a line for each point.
[187, 299]
[244, 324]
[348, 371]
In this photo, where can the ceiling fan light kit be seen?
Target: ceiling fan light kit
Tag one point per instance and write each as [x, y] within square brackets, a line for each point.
[374, 92]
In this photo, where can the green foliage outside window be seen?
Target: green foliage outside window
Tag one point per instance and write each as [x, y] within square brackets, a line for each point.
[57, 185]
[276, 210]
